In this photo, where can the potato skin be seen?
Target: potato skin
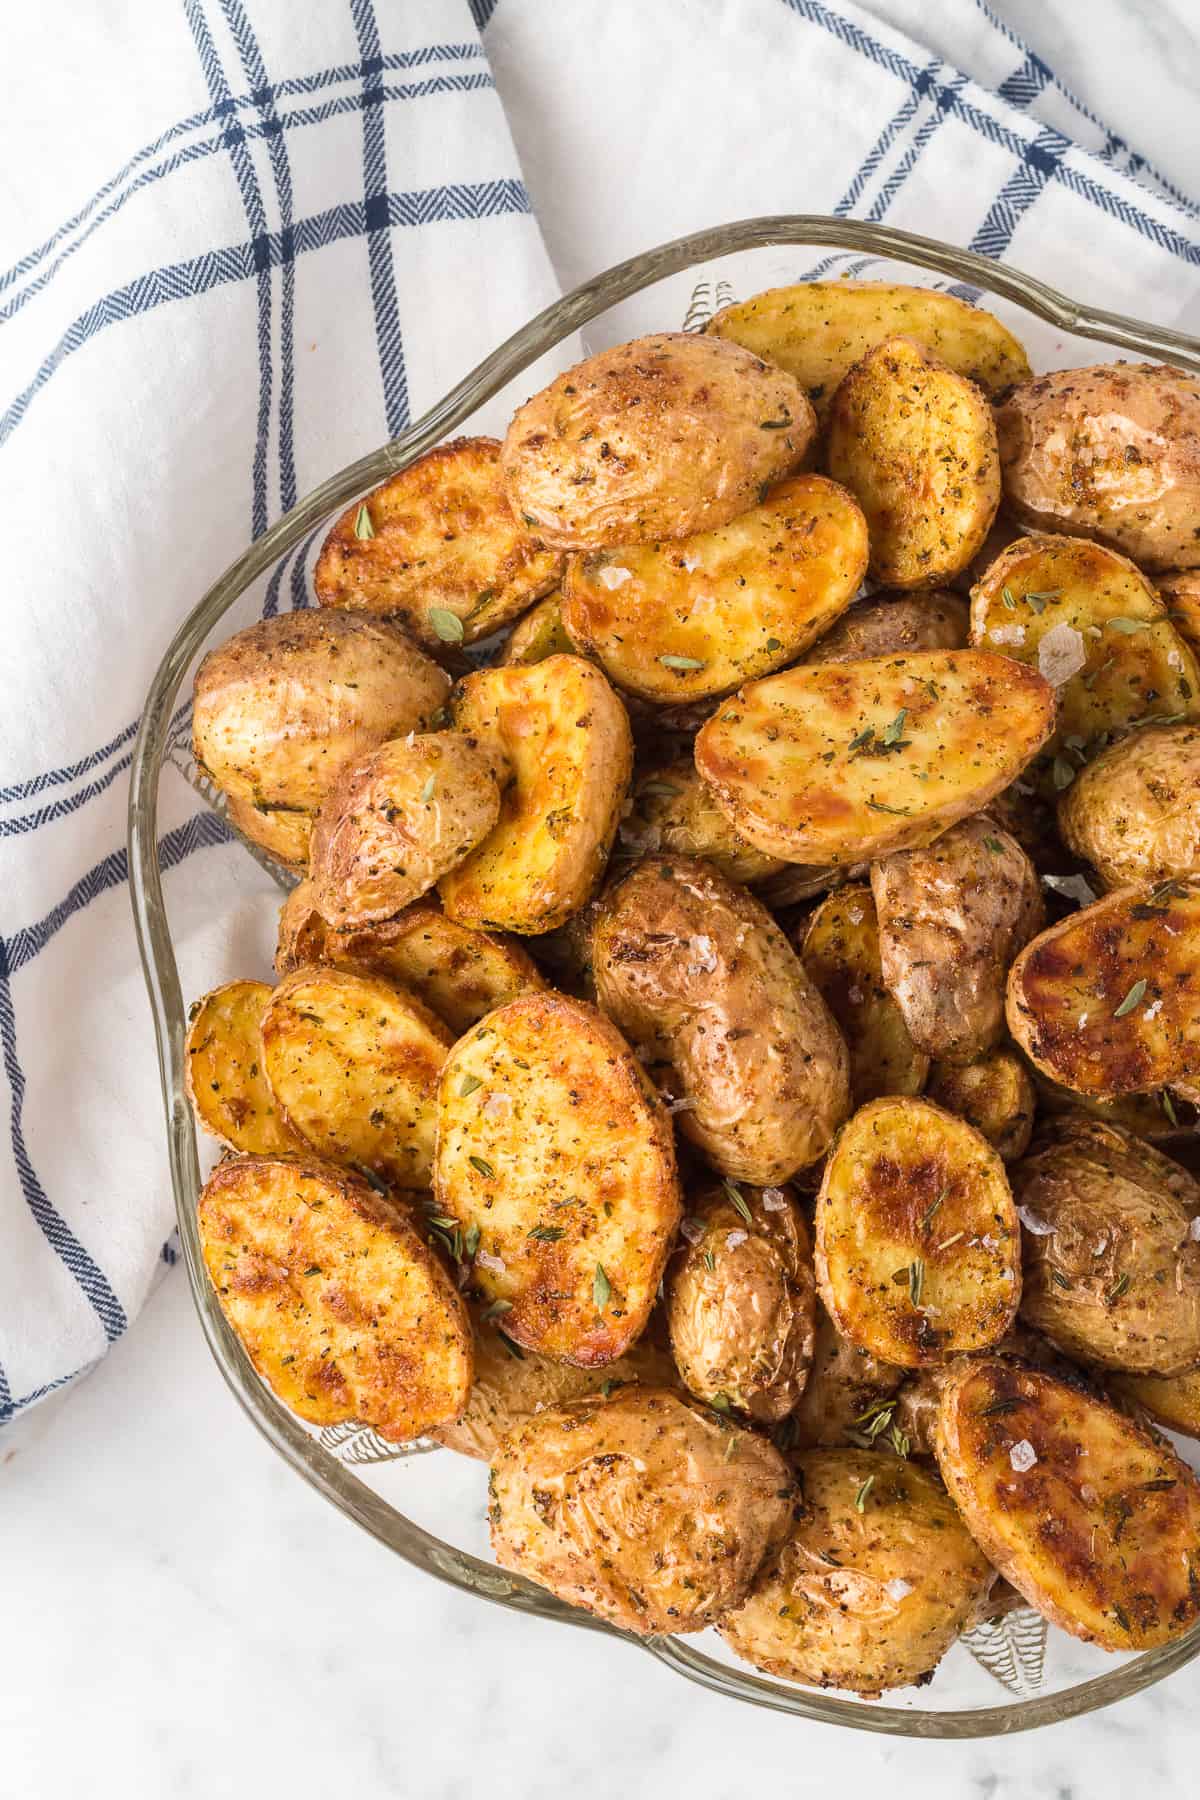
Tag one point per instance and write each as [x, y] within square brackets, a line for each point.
[1134, 812]
[1169, 1400]
[539, 633]
[894, 625]
[1111, 1269]
[674, 810]
[646, 1509]
[1109, 452]
[995, 1094]
[702, 980]
[951, 919]
[225, 1081]
[1181, 591]
[659, 438]
[846, 1386]
[874, 1582]
[741, 1302]
[840, 951]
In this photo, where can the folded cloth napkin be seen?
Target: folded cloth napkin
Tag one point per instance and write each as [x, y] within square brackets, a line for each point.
[240, 244]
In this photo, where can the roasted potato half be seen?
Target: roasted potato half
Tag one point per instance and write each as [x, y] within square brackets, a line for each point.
[1170, 1400]
[353, 1061]
[1094, 1520]
[1110, 452]
[918, 1250]
[847, 1390]
[555, 1159]
[1134, 812]
[951, 918]
[674, 810]
[646, 1509]
[1158, 1117]
[845, 761]
[995, 1094]
[840, 951]
[692, 619]
[915, 444]
[564, 736]
[225, 1079]
[438, 548]
[741, 1301]
[539, 633]
[875, 1580]
[340, 1304]
[894, 625]
[700, 978]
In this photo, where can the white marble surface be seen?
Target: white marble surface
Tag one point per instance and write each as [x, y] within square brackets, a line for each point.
[180, 1616]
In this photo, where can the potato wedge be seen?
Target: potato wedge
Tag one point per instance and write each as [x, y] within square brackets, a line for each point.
[225, 1081]
[915, 444]
[1169, 1400]
[874, 1582]
[848, 761]
[674, 810]
[555, 1158]
[647, 1509]
[438, 548]
[840, 951]
[1134, 812]
[1181, 591]
[847, 1390]
[951, 918]
[340, 1304]
[693, 619]
[354, 1061]
[1095, 1521]
[700, 978]
[565, 736]
[918, 1251]
[817, 330]
[894, 625]
[658, 438]
[539, 633]
[1107, 1001]
[995, 1094]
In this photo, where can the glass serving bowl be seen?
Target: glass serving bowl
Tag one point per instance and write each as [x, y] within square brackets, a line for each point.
[388, 1489]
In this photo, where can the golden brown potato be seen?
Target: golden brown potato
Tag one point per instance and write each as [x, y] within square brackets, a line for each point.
[741, 1301]
[674, 810]
[353, 1061]
[1159, 1117]
[439, 548]
[951, 919]
[817, 330]
[1107, 1001]
[1134, 813]
[659, 438]
[915, 444]
[847, 1390]
[1095, 1521]
[340, 1304]
[565, 737]
[1111, 1253]
[538, 634]
[281, 706]
[1181, 591]
[847, 761]
[874, 1582]
[996, 1095]
[839, 948]
[918, 1252]
[1110, 452]
[646, 1509]
[690, 620]
[1170, 1400]
[556, 1161]
[700, 978]
[894, 625]
[914, 1415]
[223, 1059]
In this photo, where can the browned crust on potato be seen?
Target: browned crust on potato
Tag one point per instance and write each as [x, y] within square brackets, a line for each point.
[223, 1070]
[537, 634]
[994, 1094]
[894, 625]
[1170, 1400]
[673, 810]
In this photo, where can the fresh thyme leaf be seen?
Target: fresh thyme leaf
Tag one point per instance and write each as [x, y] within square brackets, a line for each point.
[900, 812]
[1120, 1286]
[860, 1499]
[468, 1085]
[773, 643]
[446, 624]
[547, 1234]
[601, 1288]
[428, 791]
[1009, 598]
[363, 527]
[864, 737]
[710, 1261]
[927, 1216]
[720, 1402]
[484, 1168]
[994, 845]
[892, 733]
[1059, 1279]
[1134, 997]
[734, 1193]
[1127, 627]
[495, 1310]
[916, 1280]
[681, 662]
[471, 1239]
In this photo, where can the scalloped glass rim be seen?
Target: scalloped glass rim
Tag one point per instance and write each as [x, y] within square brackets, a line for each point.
[321, 1470]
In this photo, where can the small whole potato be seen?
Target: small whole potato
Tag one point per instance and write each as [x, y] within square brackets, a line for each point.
[846, 1391]
[674, 810]
[1134, 813]
[741, 1301]
[996, 1095]
[894, 625]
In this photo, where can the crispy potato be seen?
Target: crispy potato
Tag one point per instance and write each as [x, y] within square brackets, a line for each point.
[340, 1304]
[539, 633]
[874, 1582]
[1170, 1400]
[846, 1391]
[894, 625]
[690, 620]
[646, 1509]
[555, 1158]
[840, 951]
[1111, 452]
[280, 707]
[1094, 627]
[354, 1061]
[741, 1301]
[1111, 1257]
[438, 548]
[915, 444]
[1095, 1521]
[817, 331]
[674, 810]
[1107, 1001]
[1181, 591]
[1134, 813]
[700, 978]
[225, 1081]
[660, 438]
[917, 1245]
[995, 1094]
[565, 736]
[951, 919]
[843, 762]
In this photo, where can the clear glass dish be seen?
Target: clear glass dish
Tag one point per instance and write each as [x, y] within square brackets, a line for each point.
[390, 1490]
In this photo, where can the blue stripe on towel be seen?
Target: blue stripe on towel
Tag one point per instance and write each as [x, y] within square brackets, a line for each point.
[379, 244]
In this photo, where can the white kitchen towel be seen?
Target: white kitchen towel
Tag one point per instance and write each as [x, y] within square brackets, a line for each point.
[243, 242]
